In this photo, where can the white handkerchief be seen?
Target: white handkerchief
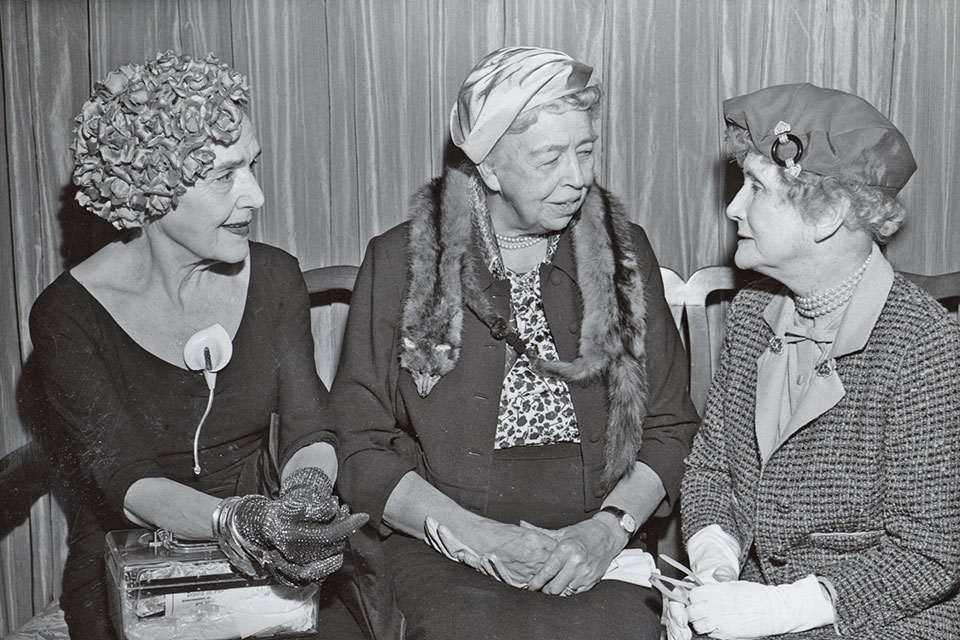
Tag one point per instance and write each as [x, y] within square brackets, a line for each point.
[633, 566]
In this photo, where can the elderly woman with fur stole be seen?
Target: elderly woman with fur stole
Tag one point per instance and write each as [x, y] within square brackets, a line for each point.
[512, 389]
[821, 497]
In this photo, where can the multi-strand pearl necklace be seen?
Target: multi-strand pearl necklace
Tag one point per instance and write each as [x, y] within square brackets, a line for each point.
[513, 243]
[820, 304]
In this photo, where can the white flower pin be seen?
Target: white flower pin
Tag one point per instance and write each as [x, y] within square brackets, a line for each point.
[208, 350]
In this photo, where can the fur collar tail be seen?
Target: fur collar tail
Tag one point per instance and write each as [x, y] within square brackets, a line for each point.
[613, 329]
[432, 315]
[443, 278]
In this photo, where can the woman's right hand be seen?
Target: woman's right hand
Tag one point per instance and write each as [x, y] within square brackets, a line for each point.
[714, 555]
[301, 535]
[676, 621]
[506, 552]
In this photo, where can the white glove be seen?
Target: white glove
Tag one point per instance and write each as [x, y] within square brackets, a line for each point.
[714, 555]
[449, 545]
[676, 621]
[734, 610]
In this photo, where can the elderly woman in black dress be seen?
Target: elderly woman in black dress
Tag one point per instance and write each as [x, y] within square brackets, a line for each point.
[512, 388]
[167, 354]
[821, 493]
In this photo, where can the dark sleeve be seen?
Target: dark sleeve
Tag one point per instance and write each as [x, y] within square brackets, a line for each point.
[374, 452]
[305, 417]
[671, 417]
[80, 386]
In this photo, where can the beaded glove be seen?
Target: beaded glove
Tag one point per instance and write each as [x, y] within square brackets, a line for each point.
[299, 538]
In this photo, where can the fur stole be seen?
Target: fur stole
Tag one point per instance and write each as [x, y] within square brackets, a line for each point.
[442, 281]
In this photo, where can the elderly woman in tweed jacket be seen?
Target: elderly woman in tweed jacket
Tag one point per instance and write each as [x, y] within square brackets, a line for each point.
[821, 496]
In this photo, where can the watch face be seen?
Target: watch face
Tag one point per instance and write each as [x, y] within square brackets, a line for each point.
[628, 522]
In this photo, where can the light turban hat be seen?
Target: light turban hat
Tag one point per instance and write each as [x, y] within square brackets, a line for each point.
[503, 85]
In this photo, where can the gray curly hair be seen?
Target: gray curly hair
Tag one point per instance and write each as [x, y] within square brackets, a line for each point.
[870, 210]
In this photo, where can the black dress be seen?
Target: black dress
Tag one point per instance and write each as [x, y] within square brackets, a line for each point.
[120, 414]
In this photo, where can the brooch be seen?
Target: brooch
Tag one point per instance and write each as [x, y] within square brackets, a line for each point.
[825, 368]
[776, 345]
[782, 131]
[500, 330]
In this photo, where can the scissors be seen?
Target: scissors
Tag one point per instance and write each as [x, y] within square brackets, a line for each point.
[680, 588]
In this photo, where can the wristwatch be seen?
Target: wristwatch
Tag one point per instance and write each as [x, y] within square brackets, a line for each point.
[626, 521]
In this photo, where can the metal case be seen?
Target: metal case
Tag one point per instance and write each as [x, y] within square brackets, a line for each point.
[161, 588]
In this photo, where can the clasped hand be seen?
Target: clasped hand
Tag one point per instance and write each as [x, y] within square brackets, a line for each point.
[505, 552]
[558, 562]
[300, 537]
[741, 609]
[714, 557]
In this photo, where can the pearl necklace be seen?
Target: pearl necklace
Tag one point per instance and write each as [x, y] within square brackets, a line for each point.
[513, 243]
[820, 304]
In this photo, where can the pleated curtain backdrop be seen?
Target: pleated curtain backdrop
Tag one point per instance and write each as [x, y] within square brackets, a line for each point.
[351, 101]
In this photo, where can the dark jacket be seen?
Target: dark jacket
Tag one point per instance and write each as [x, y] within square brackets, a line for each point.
[387, 429]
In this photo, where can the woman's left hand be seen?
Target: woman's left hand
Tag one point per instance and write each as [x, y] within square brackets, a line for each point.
[741, 609]
[582, 555]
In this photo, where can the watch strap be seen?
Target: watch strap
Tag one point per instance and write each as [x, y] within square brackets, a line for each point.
[624, 519]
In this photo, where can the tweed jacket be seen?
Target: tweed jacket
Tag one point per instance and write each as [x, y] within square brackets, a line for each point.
[866, 495]
[387, 429]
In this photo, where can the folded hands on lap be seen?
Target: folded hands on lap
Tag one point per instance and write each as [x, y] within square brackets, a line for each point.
[558, 562]
[506, 552]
